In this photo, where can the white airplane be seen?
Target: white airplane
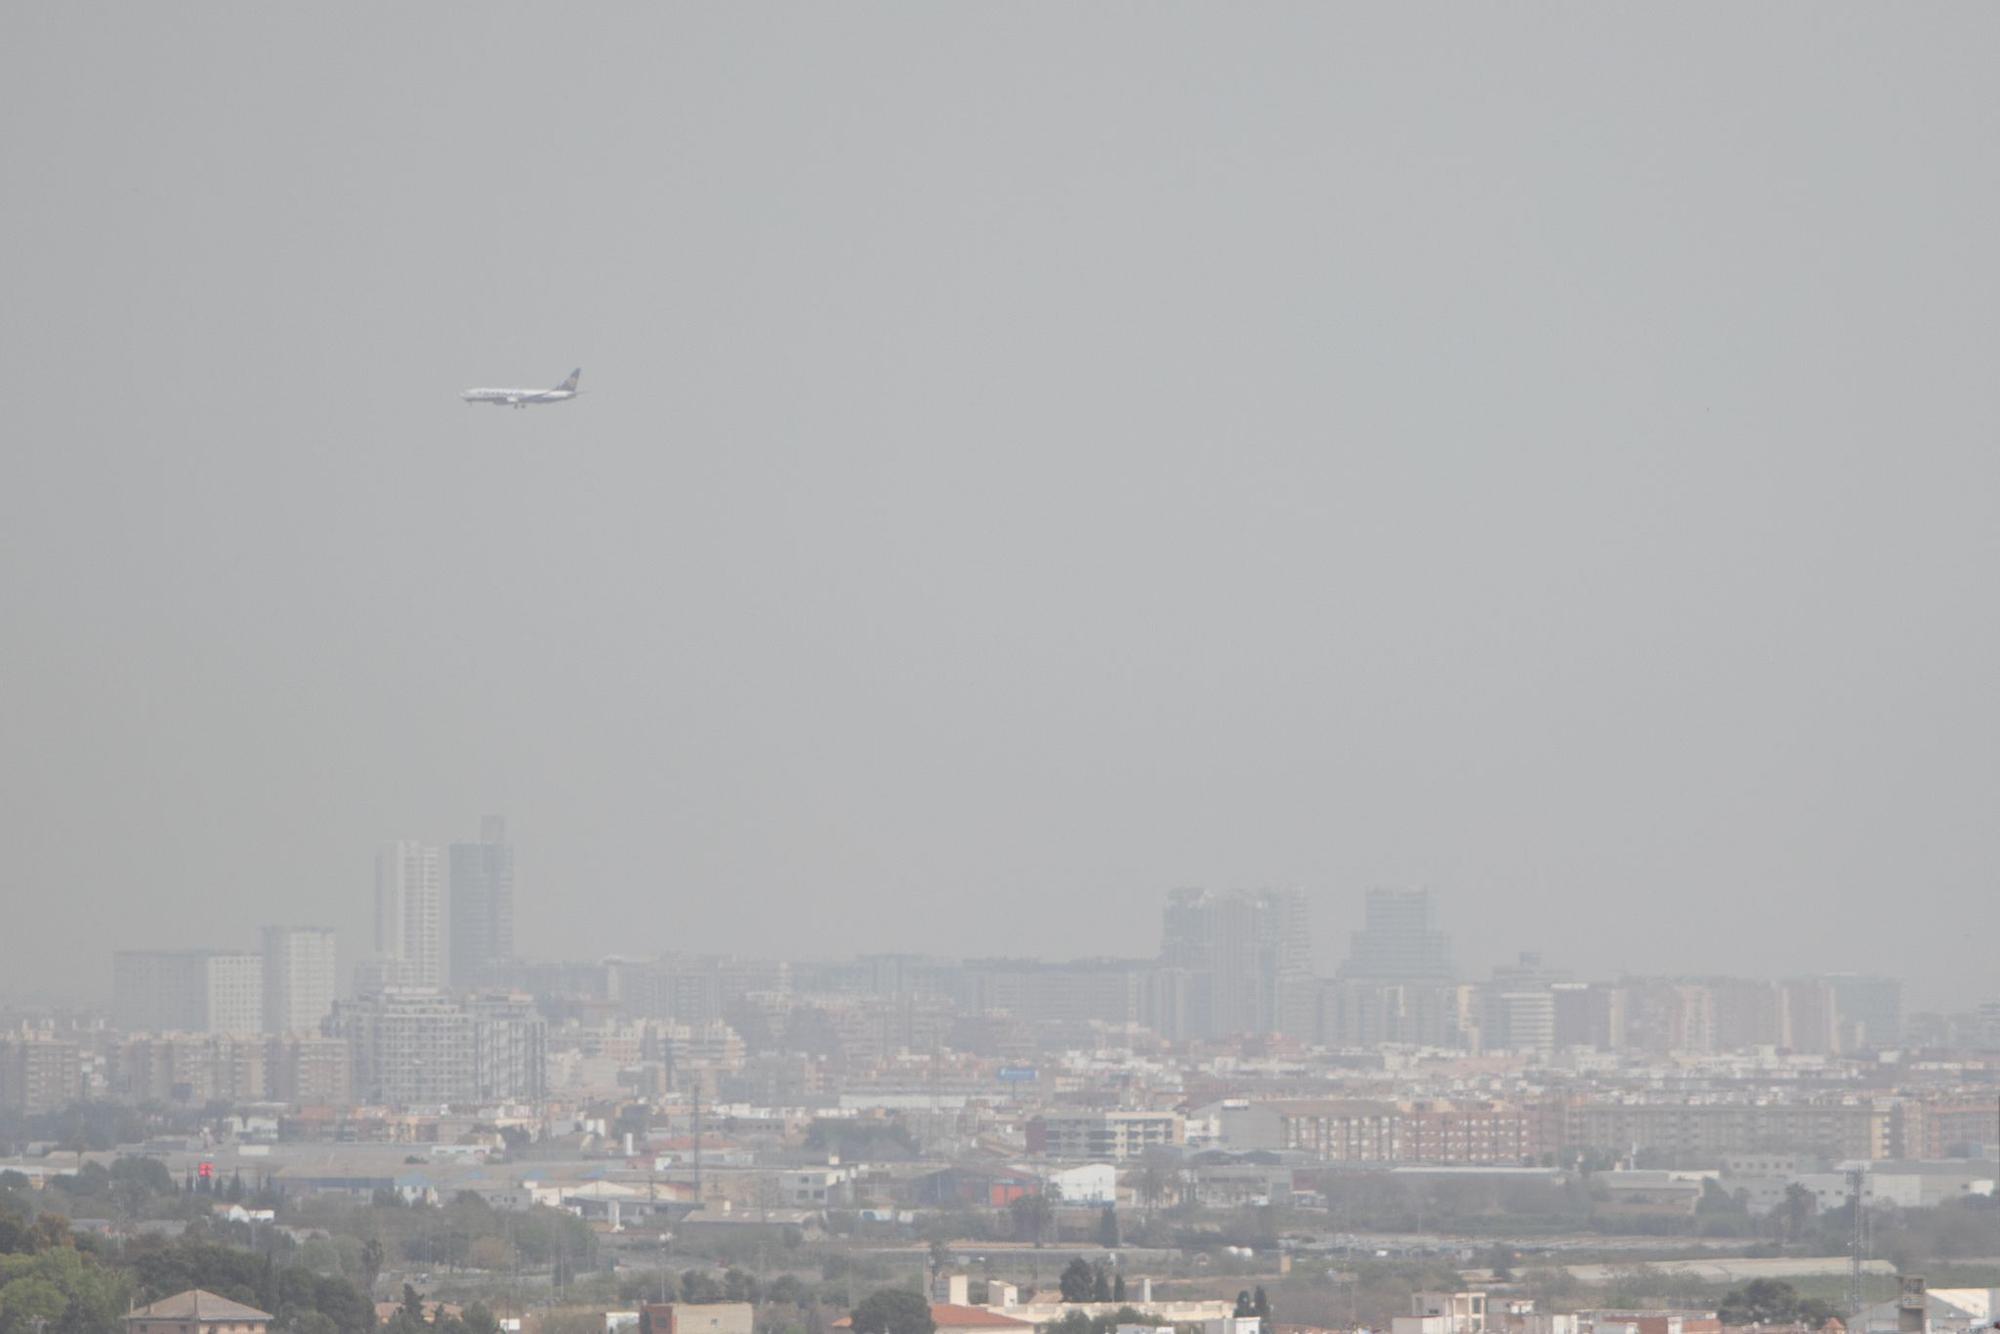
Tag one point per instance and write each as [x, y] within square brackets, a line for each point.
[521, 398]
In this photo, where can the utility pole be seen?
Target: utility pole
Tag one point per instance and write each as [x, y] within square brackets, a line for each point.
[697, 1140]
[1854, 1178]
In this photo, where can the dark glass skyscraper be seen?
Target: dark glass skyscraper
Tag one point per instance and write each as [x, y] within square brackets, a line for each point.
[1400, 941]
[482, 904]
[1247, 956]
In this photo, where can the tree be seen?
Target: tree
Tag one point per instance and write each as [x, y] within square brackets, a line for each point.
[1260, 1303]
[1715, 1199]
[1797, 1210]
[30, 1303]
[1763, 1301]
[1118, 1288]
[490, 1253]
[63, 1291]
[1032, 1215]
[1107, 1227]
[894, 1311]
[1100, 1284]
[372, 1257]
[1245, 1307]
[340, 1301]
[16, 1237]
[413, 1305]
[1078, 1281]
[479, 1320]
[1154, 1178]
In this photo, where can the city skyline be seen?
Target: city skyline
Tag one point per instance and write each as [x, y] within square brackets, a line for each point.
[1334, 915]
[1332, 953]
[1230, 966]
[442, 914]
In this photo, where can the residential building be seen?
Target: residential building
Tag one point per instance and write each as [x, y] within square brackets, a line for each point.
[1333, 1130]
[415, 1047]
[1693, 1134]
[509, 1048]
[197, 1311]
[188, 991]
[1102, 1136]
[1468, 1133]
[1746, 1013]
[412, 1047]
[1365, 1013]
[1808, 1017]
[1589, 1014]
[39, 1073]
[301, 978]
[409, 916]
[1519, 1019]
[1443, 1313]
[308, 1071]
[1870, 1011]
[689, 1318]
[1086, 991]
[189, 1068]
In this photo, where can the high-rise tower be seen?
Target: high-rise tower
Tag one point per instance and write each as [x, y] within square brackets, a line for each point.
[300, 978]
[409, 915]
[1247, 956]
[1399, 941]
[482, 904]
[1396, 985]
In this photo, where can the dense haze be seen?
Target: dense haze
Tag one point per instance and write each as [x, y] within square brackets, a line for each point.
[1031, 457]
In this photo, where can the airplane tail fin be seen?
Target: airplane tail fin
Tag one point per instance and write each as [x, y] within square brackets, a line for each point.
[570, 384]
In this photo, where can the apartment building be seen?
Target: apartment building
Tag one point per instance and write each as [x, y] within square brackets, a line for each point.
[416, 1047]
[301, 978]
[39, 1073]
[1103, 1136]
[188, 991]
[1696, 1133]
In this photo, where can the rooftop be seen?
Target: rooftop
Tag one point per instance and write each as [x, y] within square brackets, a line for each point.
[200, 1305]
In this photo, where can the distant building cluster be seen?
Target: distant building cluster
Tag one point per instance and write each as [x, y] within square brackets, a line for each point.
[1227, 1040]
[729, 1097]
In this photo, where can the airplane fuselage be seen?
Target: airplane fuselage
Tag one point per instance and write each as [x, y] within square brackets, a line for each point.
[517, 398]
[521, 398]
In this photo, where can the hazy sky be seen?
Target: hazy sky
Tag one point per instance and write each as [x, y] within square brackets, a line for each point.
[1032, 457]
